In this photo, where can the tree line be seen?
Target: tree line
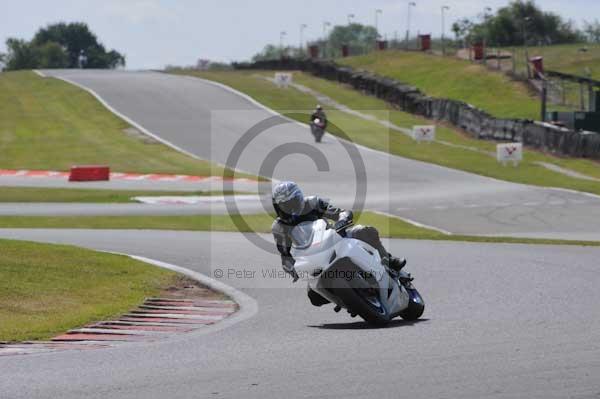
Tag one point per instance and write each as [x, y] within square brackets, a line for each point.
[359, 39]
[521, 21]
[60, 45]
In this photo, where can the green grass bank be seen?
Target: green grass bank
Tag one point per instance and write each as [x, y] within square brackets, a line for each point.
[48, 289]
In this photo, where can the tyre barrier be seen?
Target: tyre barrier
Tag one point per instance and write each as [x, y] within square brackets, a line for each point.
[89, 173]
[476, 122]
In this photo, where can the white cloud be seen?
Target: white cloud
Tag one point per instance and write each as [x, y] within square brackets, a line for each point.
[137, 11]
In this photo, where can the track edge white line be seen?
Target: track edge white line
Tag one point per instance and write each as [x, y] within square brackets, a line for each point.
[413, 222]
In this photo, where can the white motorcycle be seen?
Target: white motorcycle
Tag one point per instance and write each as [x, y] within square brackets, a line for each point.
[350, 274]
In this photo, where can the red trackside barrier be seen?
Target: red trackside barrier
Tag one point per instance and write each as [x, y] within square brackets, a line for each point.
[479, 50]
[538, 66]
[89, 173]
[345, 50]
[425, 42]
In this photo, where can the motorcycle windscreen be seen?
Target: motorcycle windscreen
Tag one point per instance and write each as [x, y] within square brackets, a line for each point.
[302, 235]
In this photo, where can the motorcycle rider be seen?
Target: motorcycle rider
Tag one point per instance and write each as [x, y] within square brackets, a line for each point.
[319, 114]
[293, 208]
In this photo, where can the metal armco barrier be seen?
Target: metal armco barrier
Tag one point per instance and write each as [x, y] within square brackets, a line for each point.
[89, 173]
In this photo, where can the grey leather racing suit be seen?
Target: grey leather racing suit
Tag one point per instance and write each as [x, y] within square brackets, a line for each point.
[319, 208]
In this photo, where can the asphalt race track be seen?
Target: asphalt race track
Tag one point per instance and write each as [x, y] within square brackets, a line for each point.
[505, 321]
[208, 121]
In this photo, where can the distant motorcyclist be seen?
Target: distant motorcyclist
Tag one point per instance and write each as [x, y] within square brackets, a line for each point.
[318, 123]
[293, 208]
[320, 115]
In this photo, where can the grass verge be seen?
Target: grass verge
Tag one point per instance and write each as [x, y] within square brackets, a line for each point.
[30, 194]
[48, 124]
[48, 289]
[374, 135]
[391, 227]
[447, 77]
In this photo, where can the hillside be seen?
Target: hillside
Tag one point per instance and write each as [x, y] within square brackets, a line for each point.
[453, 78]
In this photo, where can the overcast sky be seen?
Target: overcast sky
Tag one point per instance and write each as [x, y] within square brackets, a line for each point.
[153, 33]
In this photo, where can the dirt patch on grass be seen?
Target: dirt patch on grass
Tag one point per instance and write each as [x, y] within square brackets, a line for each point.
[185, 287]
[136, 134]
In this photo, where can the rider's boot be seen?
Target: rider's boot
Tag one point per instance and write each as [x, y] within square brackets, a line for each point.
[316, 299]
[395, 263]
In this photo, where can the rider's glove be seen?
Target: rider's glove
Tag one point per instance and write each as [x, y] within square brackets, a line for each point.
[342, 224]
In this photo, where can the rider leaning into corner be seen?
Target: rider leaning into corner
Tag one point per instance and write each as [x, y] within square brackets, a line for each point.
[293, 208]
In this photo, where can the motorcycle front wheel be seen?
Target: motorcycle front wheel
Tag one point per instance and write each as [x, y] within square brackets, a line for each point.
[359, 294]
[416, 306]
[362, 298]
[317, 133]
